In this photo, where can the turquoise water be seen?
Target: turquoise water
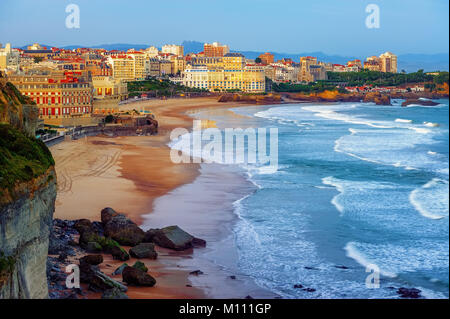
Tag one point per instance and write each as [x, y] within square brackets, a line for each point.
[357, 184]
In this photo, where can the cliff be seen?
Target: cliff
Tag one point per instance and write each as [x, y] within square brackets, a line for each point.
[251, 99]
[27, 199]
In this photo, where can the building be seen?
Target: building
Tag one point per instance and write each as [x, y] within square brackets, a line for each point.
[57, 95]
[131, 66]
[151, 52]
[108, 87]
[372, 63]
[174, 49]
[388, 62]
[266, 58]
[249, 79]
[215, 49]
[233, 61]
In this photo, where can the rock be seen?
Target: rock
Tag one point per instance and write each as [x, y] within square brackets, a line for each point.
[114, 293]
[149, 234]
[140, 265]
[233, 277]
[124, 231]
[99, 281]
[419, 102]
[82, 225]
[107, 214]
[119, 253]
[196, 272]
[96, 279]
[197, 242]
[93, 247]
[144, 250]
[173, 237]
[298, 286]
[409, 292]
[341, 266]
[120, 269]
[309, 289]
[92, 259]
[137, 277]
[248, 297]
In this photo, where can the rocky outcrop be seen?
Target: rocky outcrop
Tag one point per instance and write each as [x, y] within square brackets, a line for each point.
[251, 99]
[419, 102]
[123, 230]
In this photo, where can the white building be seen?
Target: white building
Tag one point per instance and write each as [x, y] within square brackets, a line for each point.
[174, 49]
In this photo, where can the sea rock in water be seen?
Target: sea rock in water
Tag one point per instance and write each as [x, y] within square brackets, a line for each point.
[409, 292]
[419, 102]
[140, 265]
[119, 253]
[137, 277]
[114, 293]
[173, 237]
[144, 250]
[123, 230]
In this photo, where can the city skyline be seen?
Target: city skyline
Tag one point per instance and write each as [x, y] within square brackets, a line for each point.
[403, 29]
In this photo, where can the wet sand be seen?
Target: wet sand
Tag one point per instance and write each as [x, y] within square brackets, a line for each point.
[129, 174]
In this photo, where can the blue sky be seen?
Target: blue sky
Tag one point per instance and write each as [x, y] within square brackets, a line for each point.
[291, 26]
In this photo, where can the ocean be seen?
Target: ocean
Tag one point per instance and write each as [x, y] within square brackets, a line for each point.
[357, 185]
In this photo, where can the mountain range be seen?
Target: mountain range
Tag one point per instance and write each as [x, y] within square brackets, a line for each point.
[408, 62]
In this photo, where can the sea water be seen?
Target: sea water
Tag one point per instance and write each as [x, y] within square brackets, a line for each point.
[357, 185]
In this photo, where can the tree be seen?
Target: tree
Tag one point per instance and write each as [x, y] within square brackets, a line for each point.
[258, 60]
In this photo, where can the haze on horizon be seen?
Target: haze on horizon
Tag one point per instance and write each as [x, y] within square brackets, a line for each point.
[289, 26]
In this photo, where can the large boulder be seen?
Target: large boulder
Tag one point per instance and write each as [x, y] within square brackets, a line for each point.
[144, 250]
[107, 214]
[92, 259]
[140, 265]
[123, 230]
[119, 269]
[136, 277]
[174, 237]
[119, 253]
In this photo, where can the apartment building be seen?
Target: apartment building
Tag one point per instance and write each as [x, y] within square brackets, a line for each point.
[388, 62]
[215, 49]
[266, 58]
[131, 66]
[174, 49]
[58, 94]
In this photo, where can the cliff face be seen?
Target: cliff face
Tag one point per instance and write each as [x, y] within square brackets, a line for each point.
[27, 199]
[24, 235]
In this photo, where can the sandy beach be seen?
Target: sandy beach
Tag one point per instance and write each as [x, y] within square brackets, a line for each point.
[135, 175]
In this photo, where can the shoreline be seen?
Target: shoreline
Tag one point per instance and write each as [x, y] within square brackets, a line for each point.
[131, 174]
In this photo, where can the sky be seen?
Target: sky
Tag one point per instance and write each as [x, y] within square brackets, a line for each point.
[287, 26]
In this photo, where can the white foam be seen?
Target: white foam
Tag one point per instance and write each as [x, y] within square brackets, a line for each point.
[431, 200]
[330, 180]
[420, 130]
[430, 124]
[355, 254]
[403, 121]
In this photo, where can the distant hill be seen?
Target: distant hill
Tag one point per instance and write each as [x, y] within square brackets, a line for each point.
[407, 62]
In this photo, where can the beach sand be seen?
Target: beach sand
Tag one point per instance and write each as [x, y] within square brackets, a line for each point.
[130, 173]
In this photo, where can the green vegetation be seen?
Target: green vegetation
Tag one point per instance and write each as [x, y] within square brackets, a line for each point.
[22, 158]
[366, 77]
[161, 87]
[6, 267]
[38, 59]
[313, 87]
[109, 118]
